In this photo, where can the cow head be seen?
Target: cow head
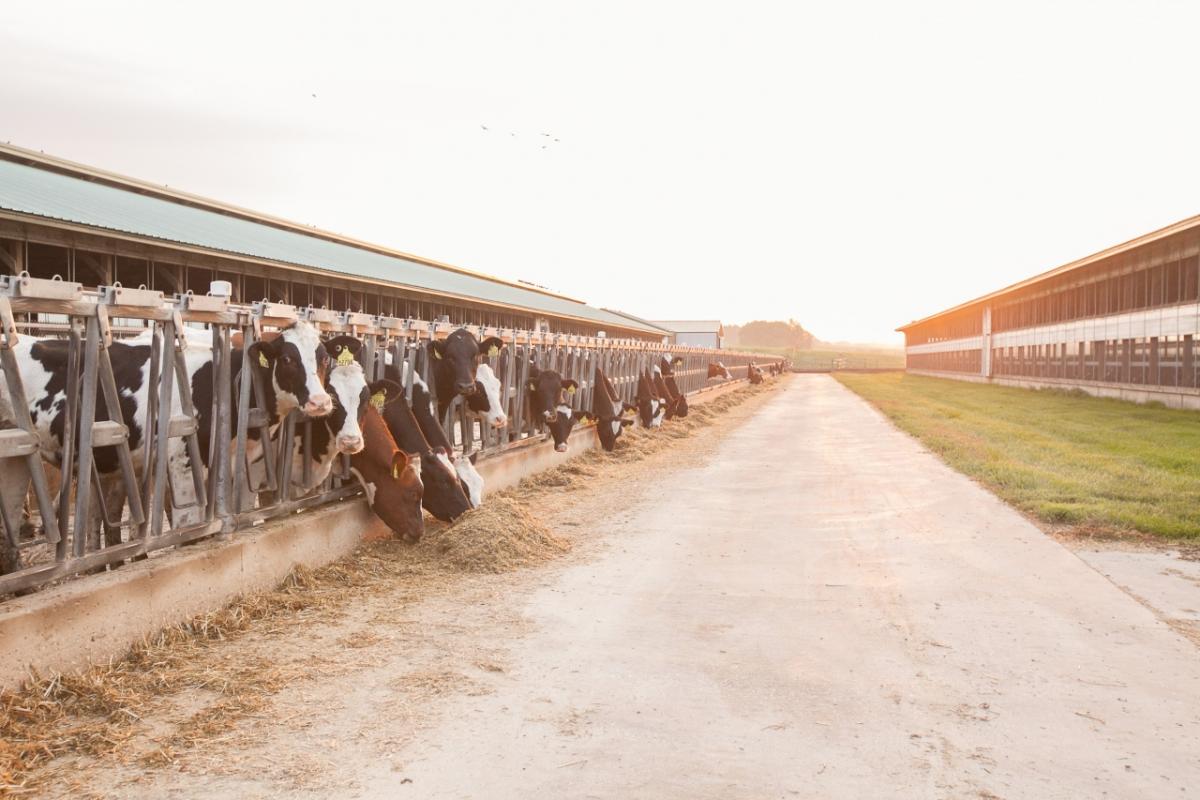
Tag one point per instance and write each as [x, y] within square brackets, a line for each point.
[390, 477]
[347, 384]
[668, 363]
[486, 402]
[470, 479]
[297, 364]
[547, 393]
[444, 496]
[754, 374]
[458, 355]
[717, 370]
[650, 406]
[563, 423]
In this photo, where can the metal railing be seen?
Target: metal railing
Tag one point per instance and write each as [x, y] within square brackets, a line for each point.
[90, 524]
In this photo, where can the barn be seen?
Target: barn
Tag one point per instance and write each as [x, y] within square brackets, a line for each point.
[1119, 323]
[82, 224]
[694, 332]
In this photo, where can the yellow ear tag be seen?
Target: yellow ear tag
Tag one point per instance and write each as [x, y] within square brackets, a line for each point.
[262, 361]
[345, 358]
[396, 471]
[436, 354]
[570, 390]
[493, 351]
[378, 400]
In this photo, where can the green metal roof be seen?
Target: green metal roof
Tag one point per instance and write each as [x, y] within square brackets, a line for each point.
[40, 192]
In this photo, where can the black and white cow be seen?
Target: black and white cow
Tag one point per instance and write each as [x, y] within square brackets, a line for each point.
[455, 360]
[292, 362]
[668, 389]
[547, 402]
[486, 402]
[651, 408]
[609, 411]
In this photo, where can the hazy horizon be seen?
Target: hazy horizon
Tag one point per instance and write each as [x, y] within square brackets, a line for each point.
[851, 166]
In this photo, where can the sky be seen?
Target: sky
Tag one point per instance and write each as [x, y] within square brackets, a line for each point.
[851, 165]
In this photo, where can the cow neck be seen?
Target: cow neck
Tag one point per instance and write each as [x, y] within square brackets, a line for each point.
[403, 427]
[374, 461]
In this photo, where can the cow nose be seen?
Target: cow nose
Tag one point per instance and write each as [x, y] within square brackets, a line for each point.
[350, 444]
[500, 422]
[465, 388]
[560, 448]
[550, 416]
[318, 405]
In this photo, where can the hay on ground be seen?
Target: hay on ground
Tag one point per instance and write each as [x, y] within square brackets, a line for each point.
[500, 536]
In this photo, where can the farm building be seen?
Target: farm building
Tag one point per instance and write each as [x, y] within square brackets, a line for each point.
[694, 333]
[1120, 323]
[82, 224]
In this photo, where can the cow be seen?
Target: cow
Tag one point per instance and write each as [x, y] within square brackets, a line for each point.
[485, 402]
[550, 396]
[609, 411]
[547, 402]
[391, 478]
[453, 486]
[718, 370]
[455, 360]
[651, 408]
[292, 361]
[754, 374]
[664, 383]
[341, 431]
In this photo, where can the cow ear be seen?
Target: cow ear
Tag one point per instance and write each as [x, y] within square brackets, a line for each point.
[570, 386]
[438, 348]
[262, 353]
[384, 392]
[490, 347]
[399, 463]
[678, 362]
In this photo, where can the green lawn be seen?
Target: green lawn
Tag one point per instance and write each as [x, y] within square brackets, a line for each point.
[1061, 456]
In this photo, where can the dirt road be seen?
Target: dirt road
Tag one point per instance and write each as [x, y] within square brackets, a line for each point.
[813, 607]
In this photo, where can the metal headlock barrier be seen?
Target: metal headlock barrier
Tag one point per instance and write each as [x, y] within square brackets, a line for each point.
[91, 523]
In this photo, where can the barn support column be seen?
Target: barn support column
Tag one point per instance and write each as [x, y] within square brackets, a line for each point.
[985, 343]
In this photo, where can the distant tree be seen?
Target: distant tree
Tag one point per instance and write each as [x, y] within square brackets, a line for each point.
[760, 333]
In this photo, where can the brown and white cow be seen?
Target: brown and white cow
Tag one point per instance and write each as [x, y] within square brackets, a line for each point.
[718, 370]
[390, 477]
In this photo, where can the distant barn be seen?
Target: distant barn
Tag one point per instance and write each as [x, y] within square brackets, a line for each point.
[694, 333]
[1120, 323]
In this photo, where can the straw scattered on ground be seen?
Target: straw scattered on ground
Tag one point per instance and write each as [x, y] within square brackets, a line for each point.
[182, 673]
[499, 536]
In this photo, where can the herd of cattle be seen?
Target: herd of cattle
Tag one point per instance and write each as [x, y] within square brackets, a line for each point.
[399, 451]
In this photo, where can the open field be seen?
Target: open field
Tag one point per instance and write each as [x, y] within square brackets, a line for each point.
[841, 359]
[1063, 457]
